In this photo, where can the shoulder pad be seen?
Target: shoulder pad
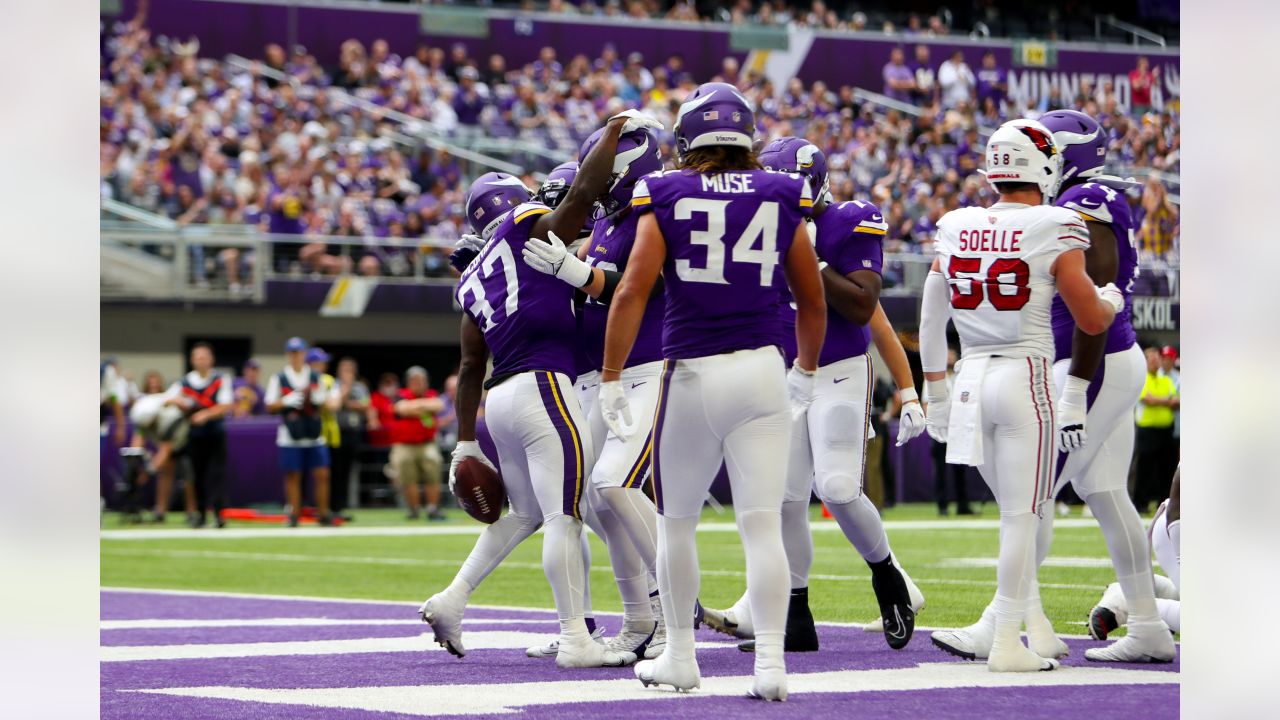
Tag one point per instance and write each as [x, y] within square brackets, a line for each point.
[1091, 201]
[525, 211]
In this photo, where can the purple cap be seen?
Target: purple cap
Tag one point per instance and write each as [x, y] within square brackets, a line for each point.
[490, 198]
[797, 155]
[715, 114]
[638, 155]
[295, 344]
[317, 354]
[1081, 141]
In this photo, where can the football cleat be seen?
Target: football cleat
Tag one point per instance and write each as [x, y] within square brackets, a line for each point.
[895, 608]
[682, 676]
[1017, 658]
[1040, 636]
[770, 685]
[1145, 643]
[1102, 622]
[917, 602]
[633, 639]
[963, 643]
[727, 622]
[587, 653]
[659, 641]
[445, 618]
[553, 647]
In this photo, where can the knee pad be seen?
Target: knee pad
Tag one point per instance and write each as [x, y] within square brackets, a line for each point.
[838, 488]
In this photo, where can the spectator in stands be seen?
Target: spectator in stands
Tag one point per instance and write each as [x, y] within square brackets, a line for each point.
[248, 391]
[205, 396]
[1142, 80]
[956, 80]
[942, 470]
[926, 89]
[415, 457]
[1158, 231]
[297, 394]
[899, 80]
[1156, 458]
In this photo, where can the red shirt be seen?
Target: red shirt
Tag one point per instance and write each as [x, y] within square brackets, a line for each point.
[410, 430]
[1140, 87]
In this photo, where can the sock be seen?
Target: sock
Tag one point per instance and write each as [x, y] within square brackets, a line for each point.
[592, 520]
[562, 563]
[1130, 553]
[1044, 538]
[678, 582]
[797, 541]
[882, 570]
[1171, 613]
[1015, 573]
[634, 512]
[1008, 622]
[761, 532]
[861, 523]
[494, 545]
[629, 570]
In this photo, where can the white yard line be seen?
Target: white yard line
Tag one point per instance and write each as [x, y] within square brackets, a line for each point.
[172, 624]
[1051, 561]
[470, 528]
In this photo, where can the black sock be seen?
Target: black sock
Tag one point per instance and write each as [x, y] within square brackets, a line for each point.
[800, 592]
[883, 568]
[591, 624]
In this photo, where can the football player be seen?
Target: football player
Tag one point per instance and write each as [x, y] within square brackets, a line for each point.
[828, 444]
[1100, 378]
[626, 515]
[526, 320]
[718, 229]
[1004, 264]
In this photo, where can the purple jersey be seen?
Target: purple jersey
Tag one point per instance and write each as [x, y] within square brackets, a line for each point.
[611, 241]
[849, 237]
[1099, 203]
[727, 238]
[527, 317]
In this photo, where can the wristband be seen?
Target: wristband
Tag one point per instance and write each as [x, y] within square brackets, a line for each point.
[935, 390]
[807, 373]
[1075, 386]
[907, 395]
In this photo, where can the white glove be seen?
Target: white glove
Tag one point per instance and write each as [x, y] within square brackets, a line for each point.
[1112, 294]
[550, 256]
[637, 120]
[911, 421]
[1073, 405]
[616, 410]
[465, 449]
[800, 384]
[470, 242]
[295, 399]
[938, 413]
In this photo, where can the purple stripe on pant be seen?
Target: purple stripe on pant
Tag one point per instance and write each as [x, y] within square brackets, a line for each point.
[570, 441]
[659, 415]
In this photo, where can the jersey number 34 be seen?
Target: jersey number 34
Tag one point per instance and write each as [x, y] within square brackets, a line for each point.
[1004, 284]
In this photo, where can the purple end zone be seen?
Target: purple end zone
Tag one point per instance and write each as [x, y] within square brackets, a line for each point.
[843, 648]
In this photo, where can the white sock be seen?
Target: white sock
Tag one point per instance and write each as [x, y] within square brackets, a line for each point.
[562, 563]
[797, 541]
[861, 523]
[1015, 570]
[1130, 552]
[761, 532]
[494, 545]
[678, 581]
[635, 513]
[1170, 613]
[629, 570]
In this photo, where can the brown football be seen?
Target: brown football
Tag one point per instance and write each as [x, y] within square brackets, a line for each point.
[479, 491]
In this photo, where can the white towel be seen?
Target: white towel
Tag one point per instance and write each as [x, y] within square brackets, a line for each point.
[964, 428]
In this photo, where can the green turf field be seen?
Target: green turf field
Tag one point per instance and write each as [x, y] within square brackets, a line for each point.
[950, 563]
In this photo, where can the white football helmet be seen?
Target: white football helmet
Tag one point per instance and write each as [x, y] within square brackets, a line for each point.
[1024, 151]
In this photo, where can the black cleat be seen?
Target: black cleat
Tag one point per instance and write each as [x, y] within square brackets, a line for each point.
[747, 646]
[895, 604]
[1101, 623]
[801, 636]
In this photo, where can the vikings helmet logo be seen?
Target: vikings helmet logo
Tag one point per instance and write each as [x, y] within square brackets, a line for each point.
[805, 155]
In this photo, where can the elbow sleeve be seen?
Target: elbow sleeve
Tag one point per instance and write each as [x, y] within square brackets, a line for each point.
[934, 313]
[611, 280]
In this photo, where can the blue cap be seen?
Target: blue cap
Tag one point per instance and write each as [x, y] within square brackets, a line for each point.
[317, 354]
[295, 344]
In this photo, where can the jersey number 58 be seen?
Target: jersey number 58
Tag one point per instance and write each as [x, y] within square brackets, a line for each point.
[1004, 283]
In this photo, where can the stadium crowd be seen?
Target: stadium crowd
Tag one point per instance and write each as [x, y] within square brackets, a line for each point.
[279, 148]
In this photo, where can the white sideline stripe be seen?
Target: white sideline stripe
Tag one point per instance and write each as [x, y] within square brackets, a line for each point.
[601, 569]
[477, 528]
[436, 700]
[476, 640]
[403, 603]
[170, 624]
[1051, 561]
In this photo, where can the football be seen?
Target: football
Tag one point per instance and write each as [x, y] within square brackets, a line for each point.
[479, 491]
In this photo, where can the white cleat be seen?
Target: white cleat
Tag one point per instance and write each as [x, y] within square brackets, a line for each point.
[445, 618]
[727, 622]
[664, 671]
[633, 638]
[770, 685]
[1018, 658]
[970, 643]
[1041, 638]
[1145, 643]
[659, 641]
[588, 653]
[553, 647]
[917, 603]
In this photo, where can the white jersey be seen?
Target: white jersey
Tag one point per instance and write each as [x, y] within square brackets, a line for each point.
[997, 261]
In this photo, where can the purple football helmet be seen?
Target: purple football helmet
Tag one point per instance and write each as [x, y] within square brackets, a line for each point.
[638, 155]
[1081, 140]
[556, 186]
[797, 155]
[490, 198]
[715, 114]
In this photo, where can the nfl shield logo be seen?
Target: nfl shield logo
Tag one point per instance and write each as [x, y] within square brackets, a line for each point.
[991, 219]
[964, 396]
[737, 116]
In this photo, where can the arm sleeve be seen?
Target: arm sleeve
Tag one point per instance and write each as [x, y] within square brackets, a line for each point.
[935, 310]
[273, 391]
[225, 396]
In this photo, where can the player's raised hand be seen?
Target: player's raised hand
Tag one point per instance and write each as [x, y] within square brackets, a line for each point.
[465, 449]
[637, 120]
[616, 410]
[938, 411]
[911, 422]
[550, 256]
[800, 384]
[1073, 405]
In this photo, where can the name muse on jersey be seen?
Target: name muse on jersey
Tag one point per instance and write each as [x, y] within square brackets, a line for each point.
[990, 240]
[727, 183]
